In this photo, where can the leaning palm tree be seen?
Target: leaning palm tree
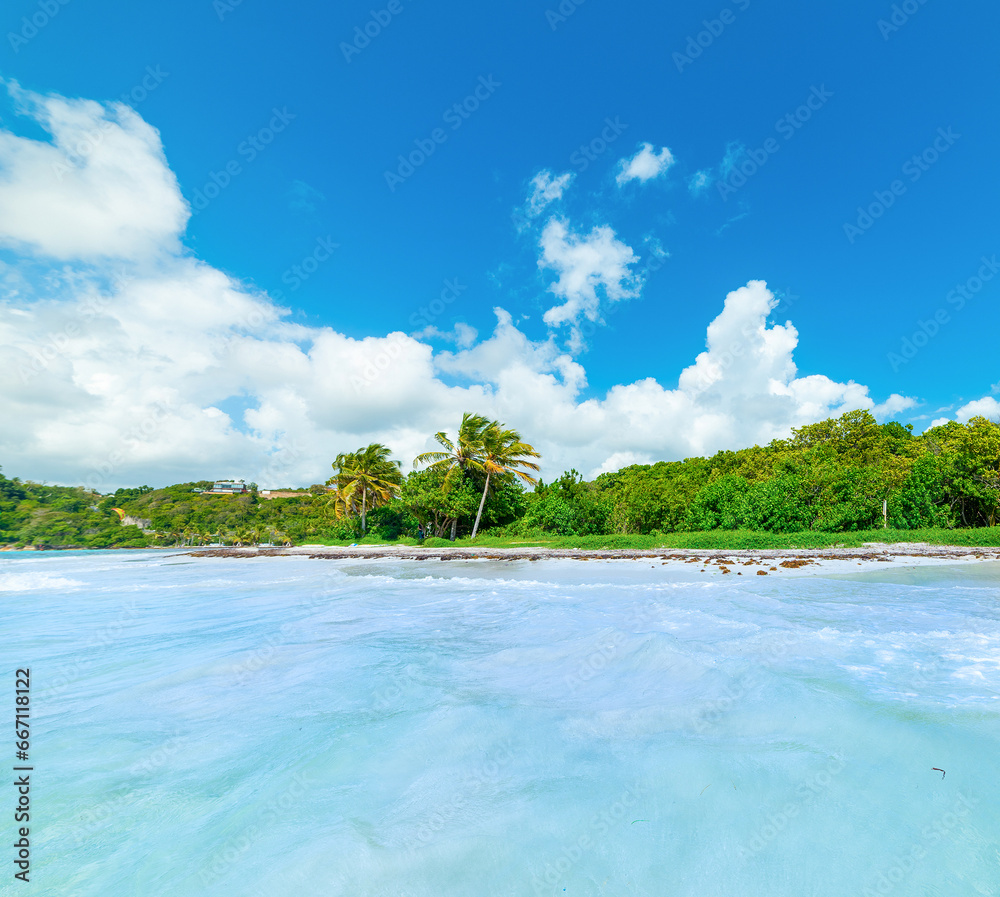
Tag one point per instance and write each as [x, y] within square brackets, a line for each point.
[467, 452]
[504, 454]
[365, 480]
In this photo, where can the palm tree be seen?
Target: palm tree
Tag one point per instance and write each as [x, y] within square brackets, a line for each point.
[367, 478]
[503, 454]
[466, 453]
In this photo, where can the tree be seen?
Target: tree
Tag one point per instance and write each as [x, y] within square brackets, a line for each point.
[432, 504]
[465, 454]
[365, 479]
[503, 455]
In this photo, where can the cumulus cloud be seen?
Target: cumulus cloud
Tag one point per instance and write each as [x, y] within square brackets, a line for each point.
[987, 407]
[591, 267]
[100, 189]
[546, 188]
[462, 334]
[143, 364]
[645, 165]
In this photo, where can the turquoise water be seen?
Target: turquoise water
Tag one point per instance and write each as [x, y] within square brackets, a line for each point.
[286, 726]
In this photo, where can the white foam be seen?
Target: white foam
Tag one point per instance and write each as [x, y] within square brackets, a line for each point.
[30, 582]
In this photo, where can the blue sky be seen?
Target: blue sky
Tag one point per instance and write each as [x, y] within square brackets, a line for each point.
[789, 117]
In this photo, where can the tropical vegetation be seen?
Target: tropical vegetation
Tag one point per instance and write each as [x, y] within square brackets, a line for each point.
[365, 479]
[830, 482]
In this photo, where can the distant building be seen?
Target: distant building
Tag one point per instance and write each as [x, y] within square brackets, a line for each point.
[227, 487]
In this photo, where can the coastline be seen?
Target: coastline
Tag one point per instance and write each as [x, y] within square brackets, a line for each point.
[766, 561]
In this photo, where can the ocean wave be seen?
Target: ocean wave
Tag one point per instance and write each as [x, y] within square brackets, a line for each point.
[32, 582]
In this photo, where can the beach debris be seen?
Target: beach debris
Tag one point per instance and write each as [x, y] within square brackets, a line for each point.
[703, 790]
[938, 769]
[634, 821]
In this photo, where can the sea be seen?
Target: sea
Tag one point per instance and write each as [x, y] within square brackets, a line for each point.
[261, 727]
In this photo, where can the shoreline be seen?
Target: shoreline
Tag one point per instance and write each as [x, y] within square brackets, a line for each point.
[769, 560]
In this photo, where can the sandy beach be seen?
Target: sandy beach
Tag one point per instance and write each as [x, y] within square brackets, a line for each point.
[740, 562]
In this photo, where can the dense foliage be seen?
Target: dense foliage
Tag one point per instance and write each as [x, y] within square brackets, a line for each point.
[829, 477]
[60, 516]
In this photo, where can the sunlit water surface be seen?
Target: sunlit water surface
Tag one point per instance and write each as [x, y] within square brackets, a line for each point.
[300, 727]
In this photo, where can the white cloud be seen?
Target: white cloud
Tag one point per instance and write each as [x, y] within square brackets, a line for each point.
[100, 189]
[699, 182]
[645, 165]
[546, 189]
[895, 404]
[987, 407]
[735, 151]
[619, 460]
[462, 334]
[591, 268]
[177, 372]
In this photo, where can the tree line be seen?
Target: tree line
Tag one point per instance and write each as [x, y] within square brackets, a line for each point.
[843, 474]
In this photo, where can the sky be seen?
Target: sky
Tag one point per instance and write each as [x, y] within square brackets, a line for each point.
[238, 238]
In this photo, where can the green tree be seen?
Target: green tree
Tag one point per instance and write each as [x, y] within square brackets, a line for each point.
[365, 479]
[436, 505]
[466, 453]
[503, 455]
[720, 505]
[923, 499]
